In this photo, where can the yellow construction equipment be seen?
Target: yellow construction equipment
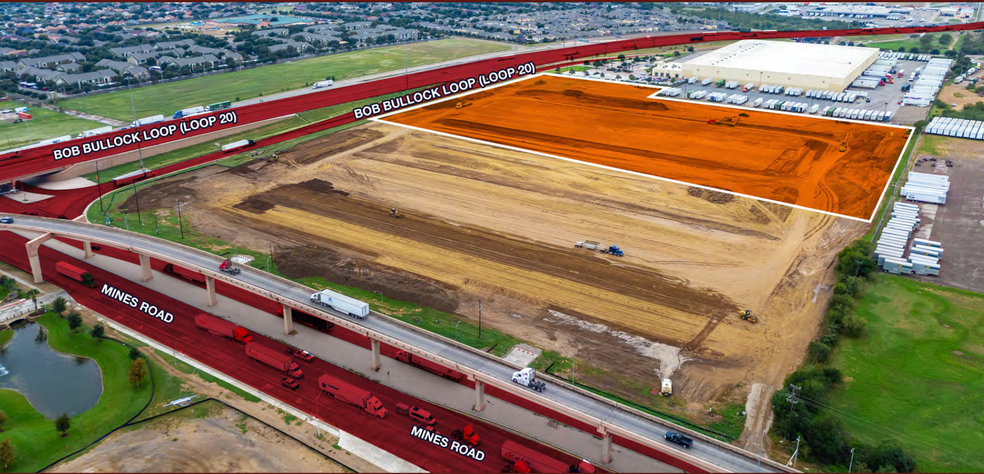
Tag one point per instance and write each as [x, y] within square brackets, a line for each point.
[747, 316]
[732, 121]
[395, 213]
[461, 105]
[843, 146]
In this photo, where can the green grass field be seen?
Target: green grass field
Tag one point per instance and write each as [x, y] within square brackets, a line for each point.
[242, 85]
[45, 124]
[914, 43]
[6, 336]
[35, 441]
[919, 375]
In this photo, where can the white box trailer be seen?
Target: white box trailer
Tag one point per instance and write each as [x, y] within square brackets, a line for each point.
[926, 251]
[238, 144]
[897, 233]
[341, 303]
[706, 81]
[897, 266]
[927, 243]
[937, 250]
[321, 84]
[927, 177]
[922, 196]
[815, 108]
[692, 80]
[95, 131]
[148, 120]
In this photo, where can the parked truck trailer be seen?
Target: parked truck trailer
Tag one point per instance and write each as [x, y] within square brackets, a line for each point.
[539, 462]
[278, 360]
[433, 367]
[352, 395]
[75, 273]
[222, 327]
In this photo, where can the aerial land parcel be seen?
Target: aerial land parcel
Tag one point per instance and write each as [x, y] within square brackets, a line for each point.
[779, 157]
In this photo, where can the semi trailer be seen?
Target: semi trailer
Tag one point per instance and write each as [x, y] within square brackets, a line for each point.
[221, 327]
[75, 273]
[278, 360]
[352, 395]
[148, 120]
[341, 303]
[184, 273]
[319, 85]
[189, 112]
[433, 367]
[538, 462]
[238, 144]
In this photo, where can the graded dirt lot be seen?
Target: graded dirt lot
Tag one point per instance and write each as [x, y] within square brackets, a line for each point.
[483, 223]
[781, 157]
[222, 441]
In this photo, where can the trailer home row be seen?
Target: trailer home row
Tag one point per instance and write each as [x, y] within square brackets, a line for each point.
[924, 187]
[857, 114]
[924, 255]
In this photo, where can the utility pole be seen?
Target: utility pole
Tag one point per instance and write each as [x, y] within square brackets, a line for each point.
[851, 465]
[99, 188]
[479, 319]
[792, 401]
[180, 226]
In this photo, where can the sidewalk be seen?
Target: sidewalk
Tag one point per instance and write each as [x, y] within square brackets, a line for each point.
[402, 377]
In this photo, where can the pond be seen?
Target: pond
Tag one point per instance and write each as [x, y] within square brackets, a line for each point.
[54, 383]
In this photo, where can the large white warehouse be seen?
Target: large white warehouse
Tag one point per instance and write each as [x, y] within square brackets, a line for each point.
[781, 63]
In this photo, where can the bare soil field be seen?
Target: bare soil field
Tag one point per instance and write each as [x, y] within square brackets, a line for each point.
[483, 223]
[223, 441]
[785, 158]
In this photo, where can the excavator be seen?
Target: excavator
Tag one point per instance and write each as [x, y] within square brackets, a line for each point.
[746, 315]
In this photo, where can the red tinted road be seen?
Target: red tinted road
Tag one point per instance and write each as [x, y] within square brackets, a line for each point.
[391, 434]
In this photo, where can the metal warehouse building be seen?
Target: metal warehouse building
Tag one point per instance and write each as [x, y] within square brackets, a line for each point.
[810, 66]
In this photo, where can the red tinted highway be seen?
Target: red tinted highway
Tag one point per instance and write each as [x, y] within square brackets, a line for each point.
[391, 434]
[40, 159]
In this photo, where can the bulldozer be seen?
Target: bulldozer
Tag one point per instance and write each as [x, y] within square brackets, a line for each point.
[843, 146]
[394, 212]
[730, 121]
[747, 316]
[273, 158]
[461, 105]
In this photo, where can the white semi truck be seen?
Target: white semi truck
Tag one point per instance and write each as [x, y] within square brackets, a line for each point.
[341, 303]
[319, 85]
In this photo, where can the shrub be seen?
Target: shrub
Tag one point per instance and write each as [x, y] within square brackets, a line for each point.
[819, 352]
[853, 326]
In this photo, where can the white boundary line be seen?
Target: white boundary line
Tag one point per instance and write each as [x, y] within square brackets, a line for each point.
[758, 198]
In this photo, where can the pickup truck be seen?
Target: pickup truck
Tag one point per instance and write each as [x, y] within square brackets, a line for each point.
[289, 383]
[678, 438]
[303, 355]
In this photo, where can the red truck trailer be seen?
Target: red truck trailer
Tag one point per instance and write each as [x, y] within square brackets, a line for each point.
[76, 274]
[352, 395]
[278, 360]
[221, 327]
[308, 320]
[184, 273]
[537, 462]
[433, 367]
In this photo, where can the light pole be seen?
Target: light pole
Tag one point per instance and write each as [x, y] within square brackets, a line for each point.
[317, 406]
[851, 465]
[180, 226]
[380, 295]
[456, 343]
[479, 319]
[133, 108]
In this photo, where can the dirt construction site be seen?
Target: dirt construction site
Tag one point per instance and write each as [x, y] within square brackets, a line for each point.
[480, 223]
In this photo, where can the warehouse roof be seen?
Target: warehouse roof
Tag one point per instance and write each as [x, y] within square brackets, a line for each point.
[788, 57]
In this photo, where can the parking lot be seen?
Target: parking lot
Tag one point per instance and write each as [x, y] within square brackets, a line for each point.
[959, 223]
[883, 98]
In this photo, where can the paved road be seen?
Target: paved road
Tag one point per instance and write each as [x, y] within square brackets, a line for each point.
[726, 458]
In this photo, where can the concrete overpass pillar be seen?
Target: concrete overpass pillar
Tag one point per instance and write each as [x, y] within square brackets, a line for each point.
[87, 247]
[145, 267]
[479, 396]
[210, 287]
[288, 319]
[375, 354]
[32, 255]
[606, 446]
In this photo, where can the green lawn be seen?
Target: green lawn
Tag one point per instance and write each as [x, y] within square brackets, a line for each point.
[6, 336]
[35, 441]
[241, 85]
[919, 375]
[45, 124]
[914, 43]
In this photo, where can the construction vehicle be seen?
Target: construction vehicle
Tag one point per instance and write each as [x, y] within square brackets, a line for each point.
[613, 250]
[732, 121]
[843, 146]
[746, 315]
[461, 105]
[394, 212]
[666, 388]
[352, 395]
[226, 266]
[587, 244]
[527, 378]
[75, 273]
[466, 436]
[432, 367]
[523, 459]
[221, 327]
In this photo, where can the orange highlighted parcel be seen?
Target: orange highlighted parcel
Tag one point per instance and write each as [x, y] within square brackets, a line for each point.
[828, 165]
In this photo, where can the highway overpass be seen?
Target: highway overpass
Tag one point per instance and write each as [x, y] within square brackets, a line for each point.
[609, 418]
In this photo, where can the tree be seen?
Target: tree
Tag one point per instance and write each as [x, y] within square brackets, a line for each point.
[819, 352]
[945, 39]
[138, 370]
[853, 326]
[33, 295]
[59, 305]
[6, 454]
[827, 440]
[950, 53]
[890, 454]
[926, 41]
[901, 49]
[74, 320]
[63, 423]
[914, 50]
[621, 57]
[97, 332]
[134, 353]
[3, 419]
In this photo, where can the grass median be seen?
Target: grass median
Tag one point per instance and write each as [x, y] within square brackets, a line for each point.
[250, 83]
